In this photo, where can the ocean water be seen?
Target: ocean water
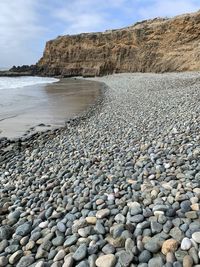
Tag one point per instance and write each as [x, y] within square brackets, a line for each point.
[29, 102]
[7, 83]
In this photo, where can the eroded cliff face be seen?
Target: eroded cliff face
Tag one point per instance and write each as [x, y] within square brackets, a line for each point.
[159, 45]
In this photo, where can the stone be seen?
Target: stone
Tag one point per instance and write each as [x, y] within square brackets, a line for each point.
[191, 215]
[71, 240]
[180, 254]
[119, 218]
[3, 261]
[144, 256]
[102, 213]
[169, 245]
[196, 237]
[153, 244]
[15, 257]
[186, 243]
[91, 220]
[187, 261]
[176, 233]
[25, 261]
[156, 262]
[108, 249]
[5, 232]
[68, 261]
[106, 261]
[24, 229]
[60, 255]
[61, 227]
[3, 245]
[129, 245]
[80, 253]
[40, 264]
[99, 228]
[125, 258]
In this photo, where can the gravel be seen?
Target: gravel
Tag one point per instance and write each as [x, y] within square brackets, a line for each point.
[116, 187]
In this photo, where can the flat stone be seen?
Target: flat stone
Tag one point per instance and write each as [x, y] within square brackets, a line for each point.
[106, 261]
[80, 253]
[91, 220]
[58, 241]
[137, 218]
[24, 229]
[102, 213]
[169, 245]
[196, 237]
[25, 261]
[70, 241]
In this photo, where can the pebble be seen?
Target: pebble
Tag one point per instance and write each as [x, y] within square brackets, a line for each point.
[25, 261]
[187, 261]
[3, 261]
[169, 245]
[102, 213]
[196, 237]
[5, 232]
[23, 229]
[80, 253]
[186, 244]
[106, 261]
[125, 188]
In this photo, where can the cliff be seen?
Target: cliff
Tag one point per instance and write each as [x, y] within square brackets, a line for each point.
[158, 45]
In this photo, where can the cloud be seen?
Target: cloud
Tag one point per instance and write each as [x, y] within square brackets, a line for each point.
[25, 25]
[19, 31]
[88, 15]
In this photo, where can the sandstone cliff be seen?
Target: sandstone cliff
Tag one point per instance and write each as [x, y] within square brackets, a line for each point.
[158, 45]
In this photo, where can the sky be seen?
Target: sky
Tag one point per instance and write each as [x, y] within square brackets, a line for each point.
[26, 25]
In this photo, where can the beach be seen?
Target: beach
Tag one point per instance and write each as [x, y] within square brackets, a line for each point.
[40, 107]
[117, 186]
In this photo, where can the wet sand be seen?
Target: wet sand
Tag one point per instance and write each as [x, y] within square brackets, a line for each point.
[41, 107]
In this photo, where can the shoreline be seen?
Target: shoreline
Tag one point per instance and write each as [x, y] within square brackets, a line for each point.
[8, 144]
[53, 104]
[119, 187]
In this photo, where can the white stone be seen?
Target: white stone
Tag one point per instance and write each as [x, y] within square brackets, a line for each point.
[186, 244]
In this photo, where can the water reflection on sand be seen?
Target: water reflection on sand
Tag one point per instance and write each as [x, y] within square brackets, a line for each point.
[51, 104]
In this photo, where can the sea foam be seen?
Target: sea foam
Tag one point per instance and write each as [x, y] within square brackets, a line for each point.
[17, 82]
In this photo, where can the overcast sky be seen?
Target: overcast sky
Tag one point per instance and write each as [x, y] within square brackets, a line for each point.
[25, 25]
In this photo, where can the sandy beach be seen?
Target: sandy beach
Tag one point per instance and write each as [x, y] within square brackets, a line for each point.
[118, 187]
[44, 106]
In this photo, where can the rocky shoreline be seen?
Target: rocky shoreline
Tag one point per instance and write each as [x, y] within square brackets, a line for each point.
[118, 188]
